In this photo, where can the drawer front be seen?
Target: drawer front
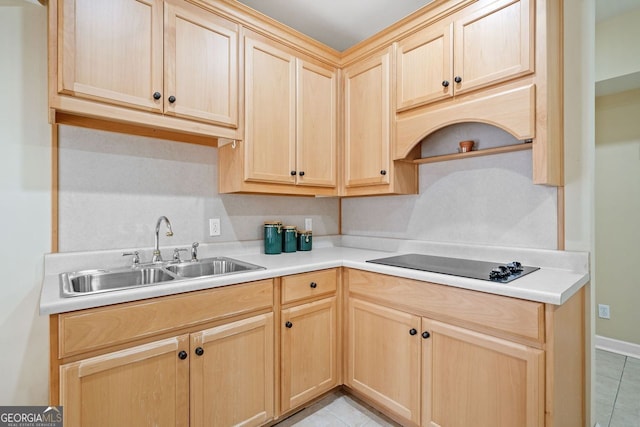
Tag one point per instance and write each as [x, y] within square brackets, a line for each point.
[493, 314]
[309, 285]
[97, 328]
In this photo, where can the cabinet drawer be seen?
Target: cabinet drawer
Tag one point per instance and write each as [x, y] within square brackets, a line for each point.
[96, 328]
[308, 285]
[497, 315]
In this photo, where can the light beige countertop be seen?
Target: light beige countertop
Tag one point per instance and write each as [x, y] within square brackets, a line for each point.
[560, 276]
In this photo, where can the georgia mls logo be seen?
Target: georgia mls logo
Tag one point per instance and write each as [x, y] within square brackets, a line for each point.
[31, 416]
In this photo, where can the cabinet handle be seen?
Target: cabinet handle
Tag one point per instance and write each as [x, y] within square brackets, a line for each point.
[157, 95]
[293, 173]
[199, 351]
[383, 172]
[301, 173]
[172, 99]
[288, 325]
[457, 79]
[445, 83]
[412, 331]
[426, 335]
[313, 285]
[182, 355]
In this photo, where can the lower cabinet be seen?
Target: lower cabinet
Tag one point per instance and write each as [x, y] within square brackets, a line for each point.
[221, 376]
[309, 356]
[232, 370]
[147, 385]
[434, 374]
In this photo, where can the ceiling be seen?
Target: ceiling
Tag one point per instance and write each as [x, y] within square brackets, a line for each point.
[339, 24]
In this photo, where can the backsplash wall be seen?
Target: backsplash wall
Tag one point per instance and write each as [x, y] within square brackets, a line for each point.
[113, 188]
[484, 200]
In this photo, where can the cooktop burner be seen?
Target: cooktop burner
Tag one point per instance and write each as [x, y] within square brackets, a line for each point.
[483, 270]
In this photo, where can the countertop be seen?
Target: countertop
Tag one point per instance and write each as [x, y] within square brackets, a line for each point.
[554, 283]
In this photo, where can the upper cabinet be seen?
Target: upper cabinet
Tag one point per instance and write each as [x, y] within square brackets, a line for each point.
[290, 144]
[130, 57]
[111, 50]
[368, 136]
[201, 65]
[474, 48]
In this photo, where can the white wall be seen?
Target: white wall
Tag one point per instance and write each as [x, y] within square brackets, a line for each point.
[617, 47]
[617, 213]
[25, 202]
[113, 188]
[483, 200]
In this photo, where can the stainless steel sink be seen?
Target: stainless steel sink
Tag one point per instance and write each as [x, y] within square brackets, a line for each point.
[94, 281]
[90, 282]
[211, 267]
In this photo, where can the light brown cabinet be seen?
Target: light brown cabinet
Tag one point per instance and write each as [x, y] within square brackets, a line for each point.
[433, 355]
[115, 366]
[309, 337]
[290, 125]
[143, 385]
[479, 46]
[368, 168]
[232, 373]
[171, 58]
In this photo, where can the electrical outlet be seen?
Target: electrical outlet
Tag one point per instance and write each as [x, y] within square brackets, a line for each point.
[308, 224]
[214, 226]
[603, 311]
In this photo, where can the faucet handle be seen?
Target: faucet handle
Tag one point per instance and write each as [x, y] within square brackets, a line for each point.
[176, 253]
[194, 251]
[136, 258]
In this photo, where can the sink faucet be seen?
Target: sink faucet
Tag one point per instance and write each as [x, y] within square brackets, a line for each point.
[157, 256]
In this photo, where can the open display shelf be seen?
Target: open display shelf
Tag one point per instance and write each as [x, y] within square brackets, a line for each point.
[475, 153]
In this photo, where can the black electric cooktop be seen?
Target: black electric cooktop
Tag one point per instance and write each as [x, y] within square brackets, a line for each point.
[483, 270]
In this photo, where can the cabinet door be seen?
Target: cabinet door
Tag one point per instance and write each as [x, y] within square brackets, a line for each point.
[424, 65]
[494, 44]
[308, 357]
[201, 80]
[147, 385]
[316, 117]
[368, 121]
[475, 379]
[111, 50]
[232, 371]
[270, 91]
[384, 357]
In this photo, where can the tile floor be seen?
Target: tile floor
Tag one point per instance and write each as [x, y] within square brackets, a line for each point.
[617, 390]
[617, 401]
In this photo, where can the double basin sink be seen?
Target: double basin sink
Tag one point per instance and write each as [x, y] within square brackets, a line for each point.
[89, 282]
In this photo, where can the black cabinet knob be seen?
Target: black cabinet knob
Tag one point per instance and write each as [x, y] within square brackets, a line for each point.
[445, 83]
[182, 355]
[293, 173]
[426, 335]
[172, 99]
[313, 285]
[457, 79]
[199, 351]
[301, 173]
[157, 95]
[288, 325]
[383, 172]
[412, 331]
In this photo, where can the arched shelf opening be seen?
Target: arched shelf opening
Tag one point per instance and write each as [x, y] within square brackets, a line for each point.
[442, 143]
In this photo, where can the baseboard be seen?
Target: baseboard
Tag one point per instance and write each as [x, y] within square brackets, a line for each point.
[617, 346]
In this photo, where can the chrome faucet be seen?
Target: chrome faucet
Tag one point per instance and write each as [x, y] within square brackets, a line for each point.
[157, 256]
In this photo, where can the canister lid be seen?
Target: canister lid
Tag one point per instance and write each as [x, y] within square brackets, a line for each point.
[289, 227]
[273, 223]
[305, 232]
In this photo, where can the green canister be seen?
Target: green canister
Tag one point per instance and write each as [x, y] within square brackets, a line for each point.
[305, 239]
[272, 237]
[289, 240]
